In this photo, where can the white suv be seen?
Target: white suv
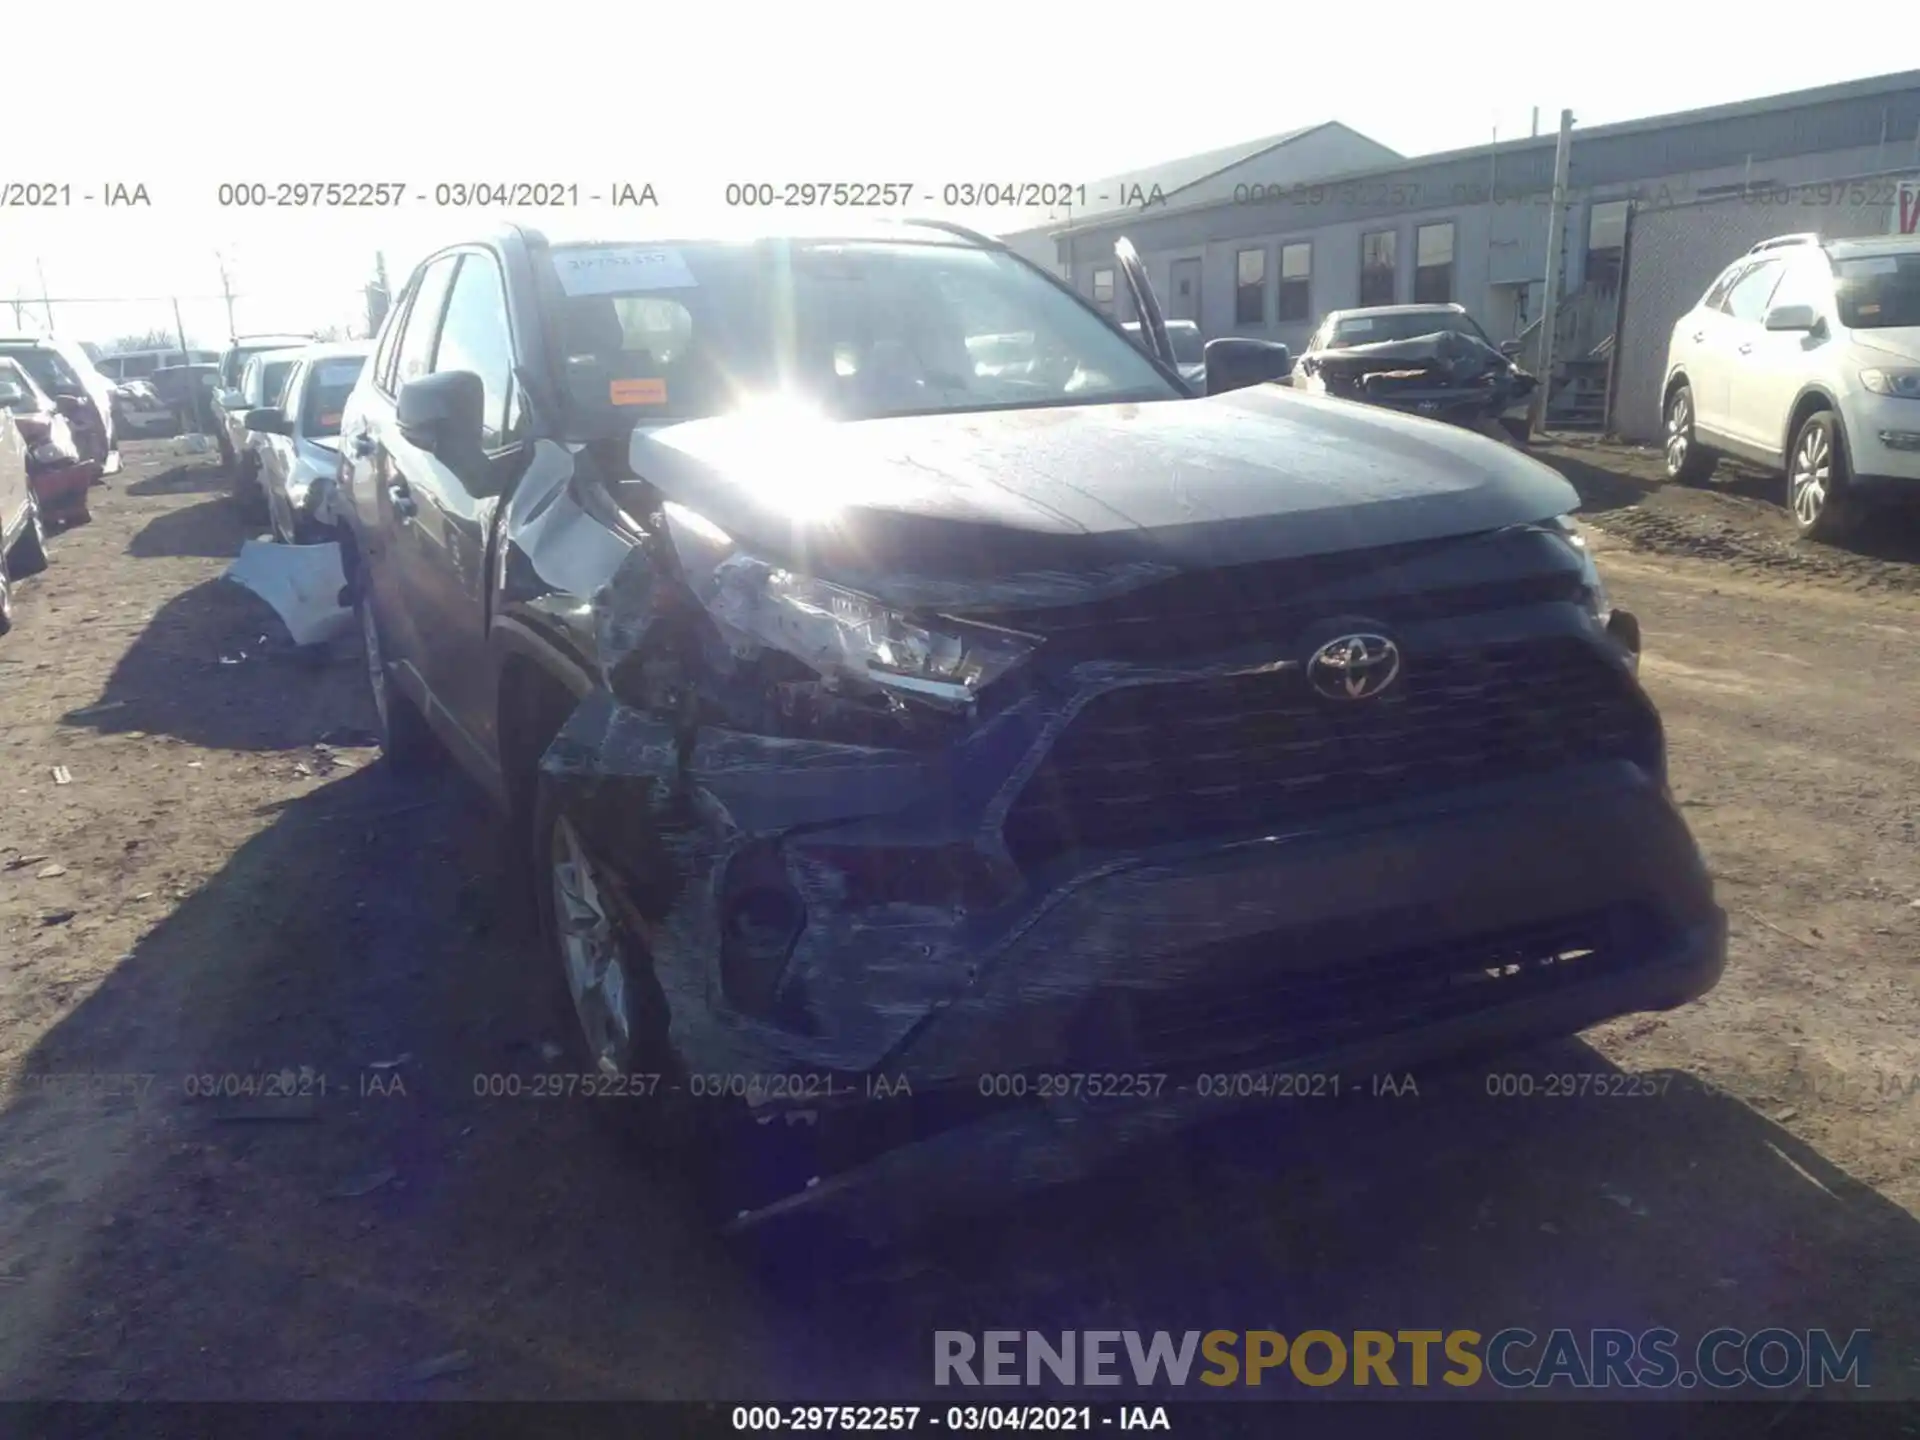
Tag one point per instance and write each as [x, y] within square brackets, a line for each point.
[1804, 357]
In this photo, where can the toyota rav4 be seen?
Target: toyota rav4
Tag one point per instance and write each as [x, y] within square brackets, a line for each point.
[870, 710]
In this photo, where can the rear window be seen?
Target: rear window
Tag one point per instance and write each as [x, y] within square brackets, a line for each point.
[327, 390]
[49, 371]
[1377, 329]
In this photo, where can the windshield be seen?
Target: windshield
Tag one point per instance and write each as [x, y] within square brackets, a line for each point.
[327, 390]
[52, 373]
[1878, 292]
[10, 373]
[859, 328]
[1376, 329]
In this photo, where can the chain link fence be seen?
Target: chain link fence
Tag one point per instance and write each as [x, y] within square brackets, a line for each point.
[1675, 251]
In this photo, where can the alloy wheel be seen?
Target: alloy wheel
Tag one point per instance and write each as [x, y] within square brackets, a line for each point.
[1812, 476]
[591, 951]
[1679, 431]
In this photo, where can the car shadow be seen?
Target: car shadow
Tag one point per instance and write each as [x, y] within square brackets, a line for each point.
[1600, 489]
[410, 1215]
[216, 667]
[187, 479]
[214, 529]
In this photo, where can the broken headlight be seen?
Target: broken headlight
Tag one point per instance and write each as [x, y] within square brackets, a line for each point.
[1595, 592]
[840, 633]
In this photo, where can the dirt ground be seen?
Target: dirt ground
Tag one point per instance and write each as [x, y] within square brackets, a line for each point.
[230, 884]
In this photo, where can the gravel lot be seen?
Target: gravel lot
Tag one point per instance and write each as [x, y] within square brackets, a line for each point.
[230, 883]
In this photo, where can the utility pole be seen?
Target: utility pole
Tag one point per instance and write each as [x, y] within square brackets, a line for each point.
[46, 304]
[226, 293]
[1550, 304]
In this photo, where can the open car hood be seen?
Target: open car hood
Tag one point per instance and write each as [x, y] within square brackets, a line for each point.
[1033, 505]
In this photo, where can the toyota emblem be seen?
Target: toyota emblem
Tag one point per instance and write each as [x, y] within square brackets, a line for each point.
[1354, 667]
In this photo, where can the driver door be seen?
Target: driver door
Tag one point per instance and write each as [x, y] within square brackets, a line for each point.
[443, 576]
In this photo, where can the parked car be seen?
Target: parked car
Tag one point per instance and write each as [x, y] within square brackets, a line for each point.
[229, 400]
[1189, 349]
[1429, 360]
[140, 364]
[139, 411]
[298, 441]
[1804, 357]
[867, 716]
[187, 392]
[59, 476]
[62, 369]
[262, 379]
[22, 543]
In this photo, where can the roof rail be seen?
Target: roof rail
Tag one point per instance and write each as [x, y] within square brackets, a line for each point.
[1781, 242]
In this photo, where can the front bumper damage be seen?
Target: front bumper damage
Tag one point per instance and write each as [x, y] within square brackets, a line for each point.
[1447, 376]
[857, 910]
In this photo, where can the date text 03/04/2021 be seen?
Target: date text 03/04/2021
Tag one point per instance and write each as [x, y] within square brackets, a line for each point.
[553, 194]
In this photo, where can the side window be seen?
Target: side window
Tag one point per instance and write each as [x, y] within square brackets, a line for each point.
[1808, 281]
[1747, 300]
[290, 392]
[1718, 291]
[475, 337]
[423, 321]
[388, 346]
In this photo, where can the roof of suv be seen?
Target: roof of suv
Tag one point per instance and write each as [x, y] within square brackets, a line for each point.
[1400, 310]
[1875, 245]
[763, 225]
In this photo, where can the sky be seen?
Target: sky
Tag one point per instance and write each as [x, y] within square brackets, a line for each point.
[689, 99]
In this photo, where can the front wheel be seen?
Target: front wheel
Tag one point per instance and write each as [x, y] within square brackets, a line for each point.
[1688, 462]
[29, 553]
[1817, 479]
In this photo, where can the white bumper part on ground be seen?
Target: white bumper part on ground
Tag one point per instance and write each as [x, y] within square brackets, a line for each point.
[301, 582]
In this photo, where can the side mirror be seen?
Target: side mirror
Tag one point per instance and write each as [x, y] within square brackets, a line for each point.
[1234, 363]
[69, 405]
[266, 421]
[228, 399]
[1792, 317]
[442, 415]
[1509, 348]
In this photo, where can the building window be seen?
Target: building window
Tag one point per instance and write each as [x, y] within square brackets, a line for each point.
[1433, 264]
[1250, 288]
[1376, 268]
[1606, 242]
[1103, 289]
[1296, 282]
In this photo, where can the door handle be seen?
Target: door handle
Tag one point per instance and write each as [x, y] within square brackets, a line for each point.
[1698, 336]
[402, 500]
[1747, 349]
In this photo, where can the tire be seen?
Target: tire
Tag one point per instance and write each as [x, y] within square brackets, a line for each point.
[227, 460]
[603, 998]
[1816, 477]
[29, 553]
[6, 598]
[405, 738]
[1688, 461]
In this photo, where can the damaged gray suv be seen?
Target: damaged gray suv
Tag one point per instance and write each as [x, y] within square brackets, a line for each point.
[875, 716]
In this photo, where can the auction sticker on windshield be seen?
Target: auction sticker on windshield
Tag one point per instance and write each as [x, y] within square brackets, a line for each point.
[620, 269]
[637, 392]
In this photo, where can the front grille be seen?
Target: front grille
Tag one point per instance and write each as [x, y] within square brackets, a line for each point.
[1156, 764]
[1294, 1000]
[1214, 610]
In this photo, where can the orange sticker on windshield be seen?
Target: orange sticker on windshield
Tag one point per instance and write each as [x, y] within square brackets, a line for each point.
[638, 392]
[330, 421]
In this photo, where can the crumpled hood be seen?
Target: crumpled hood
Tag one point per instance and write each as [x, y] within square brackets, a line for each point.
[1899, 342]
[1266, 473]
